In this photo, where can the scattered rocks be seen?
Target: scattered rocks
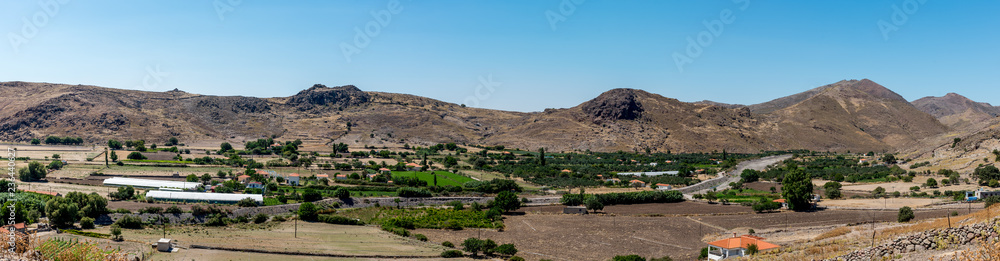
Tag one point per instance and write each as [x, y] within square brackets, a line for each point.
[928, 240]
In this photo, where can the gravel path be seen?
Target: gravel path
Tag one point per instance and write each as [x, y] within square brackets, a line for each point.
[722, 182]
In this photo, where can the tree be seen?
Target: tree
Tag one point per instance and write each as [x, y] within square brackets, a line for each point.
[931, 183]
[17, 208]
[749, 176]
[506, 201]
[797, 190]
[594, 204]
[342, 193]
[87, 223]
[832, 189]
[878, 192]
[192, 178]
[62, 212]
[35, 142]
[986, 173]
[123, 193]
[114, 144]
[55, 165]
[225, 147]
[116, 232]
[541, 156]
[135, 155]
[206, 177]
[473, 245]
[172, 141]
[752, 249]
[307, 211]
[91, 205]
[489, 246]
[905, 214]
[889, 159]
[114, 156]
[711, 196]
[310, 195]
[34, 171]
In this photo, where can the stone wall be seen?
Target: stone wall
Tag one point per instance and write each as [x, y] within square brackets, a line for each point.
[928, 240]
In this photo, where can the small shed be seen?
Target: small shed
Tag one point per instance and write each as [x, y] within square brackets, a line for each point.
[163, 245]
[574, 210]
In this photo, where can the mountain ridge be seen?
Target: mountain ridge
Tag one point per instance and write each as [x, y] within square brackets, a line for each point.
[848, 115]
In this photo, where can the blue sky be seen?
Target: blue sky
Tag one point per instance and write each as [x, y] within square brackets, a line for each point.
[447, 49]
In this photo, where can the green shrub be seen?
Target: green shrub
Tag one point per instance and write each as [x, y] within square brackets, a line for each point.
[130, 222]
[307, 211]
[516, 258]
[905, 214]
[629, 258]
[260, 218]
[989, 201]
[452, 254]
[420, 237]
[87, 223]
[447, 244]
[506, 250]
[247, 203]
[409, 192]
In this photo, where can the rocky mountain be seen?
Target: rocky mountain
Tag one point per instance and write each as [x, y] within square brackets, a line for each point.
[956, 110]
[848, 115]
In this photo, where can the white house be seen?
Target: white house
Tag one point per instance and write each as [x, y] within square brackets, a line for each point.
[661, 186]
[293, 179]
[737, 246]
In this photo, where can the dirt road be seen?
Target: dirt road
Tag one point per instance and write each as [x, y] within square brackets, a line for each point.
[722, 182]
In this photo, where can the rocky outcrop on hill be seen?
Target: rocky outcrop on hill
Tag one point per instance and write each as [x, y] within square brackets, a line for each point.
[617, 104]
[337, 97]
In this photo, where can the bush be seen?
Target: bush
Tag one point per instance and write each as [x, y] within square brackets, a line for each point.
[766, 206]
[452, 254]
[307, 211]
[87, 223]
[247, 203]
[905, 214]
[342, 193]
[506, 250]
[116, 232]
[135, 155]
[130, 222]
[310, 195]
[420, 237]
[260, 218]
[447, 244]
[516, 258]
[173, 210]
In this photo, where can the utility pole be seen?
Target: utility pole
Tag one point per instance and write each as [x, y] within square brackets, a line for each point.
[296, 227]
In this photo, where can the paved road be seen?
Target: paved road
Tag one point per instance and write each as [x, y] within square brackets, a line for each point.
[722, 182]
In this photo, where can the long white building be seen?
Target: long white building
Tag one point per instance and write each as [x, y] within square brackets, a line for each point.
[151, 183]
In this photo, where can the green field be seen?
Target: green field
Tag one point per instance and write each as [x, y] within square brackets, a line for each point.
[444, 178]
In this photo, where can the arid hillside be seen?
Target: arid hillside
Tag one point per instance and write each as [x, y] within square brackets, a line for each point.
[852, 115]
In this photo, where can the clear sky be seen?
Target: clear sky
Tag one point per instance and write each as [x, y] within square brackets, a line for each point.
[527, 55]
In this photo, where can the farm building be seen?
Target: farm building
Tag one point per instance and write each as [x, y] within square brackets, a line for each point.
[243, 178]
[341, 176]
[661, 186]
[163, 245]
[322, 176]
[224, 198]
[151, 183]
[384, 171]
[413, 166]
[736, 247]
[980, 194]
[574, 210]
[255, 185]
[637, 183]
[293, 179]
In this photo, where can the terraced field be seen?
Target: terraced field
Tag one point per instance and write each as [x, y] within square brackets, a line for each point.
[444, 178]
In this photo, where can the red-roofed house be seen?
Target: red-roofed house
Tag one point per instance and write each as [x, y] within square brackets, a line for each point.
[413, 166]
[322, 176]
[293, 179]
[341, 176]
[637, 183]
[784, 203]
[243, 178]
[737, 246]
[567, 171]
[19, 227]
[661, 186]
[384, 171]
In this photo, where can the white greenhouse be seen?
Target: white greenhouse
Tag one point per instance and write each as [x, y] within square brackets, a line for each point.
[223, 198]
[151, 183]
